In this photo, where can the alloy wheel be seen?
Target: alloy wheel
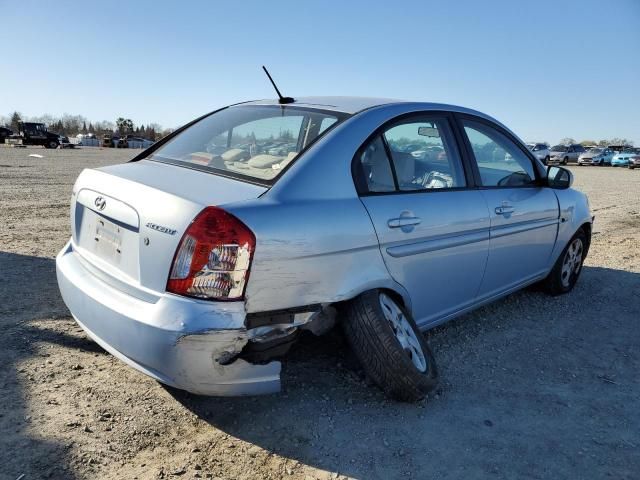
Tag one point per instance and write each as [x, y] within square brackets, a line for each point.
[572, 262]
[403, 331]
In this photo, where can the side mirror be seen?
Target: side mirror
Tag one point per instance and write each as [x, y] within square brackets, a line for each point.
[559, 178]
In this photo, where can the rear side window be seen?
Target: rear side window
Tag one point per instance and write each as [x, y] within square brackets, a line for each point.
[415, 155]
[250, 141]
[500, 161]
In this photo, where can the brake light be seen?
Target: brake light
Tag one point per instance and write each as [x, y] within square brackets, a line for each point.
[213, 258]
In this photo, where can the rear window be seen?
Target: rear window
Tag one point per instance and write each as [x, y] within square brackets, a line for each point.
[250, 142]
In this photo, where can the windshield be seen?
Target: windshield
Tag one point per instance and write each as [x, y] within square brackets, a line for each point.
[254, 142]
[596, 150]
[559, 148]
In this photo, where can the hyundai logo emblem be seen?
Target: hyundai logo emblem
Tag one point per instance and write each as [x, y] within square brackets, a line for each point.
[100, 203]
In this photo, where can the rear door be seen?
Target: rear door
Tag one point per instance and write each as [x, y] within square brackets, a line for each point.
[433, 230]
[524, 213]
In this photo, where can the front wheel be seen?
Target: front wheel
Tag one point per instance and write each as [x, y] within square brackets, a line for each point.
[52, 144]
[389, 346]
[546, 160]
[565, 161]
[567, 269]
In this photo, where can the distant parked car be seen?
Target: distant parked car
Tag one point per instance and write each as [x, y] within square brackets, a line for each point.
[596, 156]
[622, 159]
[619, 148]
[4, 133]
[540, 151]
[565, 153]
[634, 162]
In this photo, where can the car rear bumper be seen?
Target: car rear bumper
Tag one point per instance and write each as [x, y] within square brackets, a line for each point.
[181, 342]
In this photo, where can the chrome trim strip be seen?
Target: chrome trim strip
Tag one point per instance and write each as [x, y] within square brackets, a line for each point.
[512, 229]
[111, 208]
[440, 243]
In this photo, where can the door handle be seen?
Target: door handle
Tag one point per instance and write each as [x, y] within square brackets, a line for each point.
[504, 210]
[403, 222]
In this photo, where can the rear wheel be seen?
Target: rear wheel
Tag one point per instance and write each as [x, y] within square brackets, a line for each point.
[389, 346]
[567, 269]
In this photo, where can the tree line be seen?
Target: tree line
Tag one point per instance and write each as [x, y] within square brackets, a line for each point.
[600, 143]
[72, 125]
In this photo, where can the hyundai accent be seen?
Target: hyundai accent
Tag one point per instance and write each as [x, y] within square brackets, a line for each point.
[201, 261]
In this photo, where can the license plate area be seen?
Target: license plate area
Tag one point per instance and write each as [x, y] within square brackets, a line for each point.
[108, 244]
[108, 238]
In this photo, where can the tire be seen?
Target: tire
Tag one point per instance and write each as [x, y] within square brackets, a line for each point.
[546, 160]
[52, 144]
[566, 270]
[565, 161]
[405, 373]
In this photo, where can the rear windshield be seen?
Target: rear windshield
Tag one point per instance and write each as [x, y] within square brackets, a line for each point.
[250, 142]
[559, 148]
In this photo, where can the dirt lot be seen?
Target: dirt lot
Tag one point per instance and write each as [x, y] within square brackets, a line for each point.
[531, 387]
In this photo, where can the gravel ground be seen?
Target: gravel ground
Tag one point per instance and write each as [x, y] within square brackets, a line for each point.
[531, 386]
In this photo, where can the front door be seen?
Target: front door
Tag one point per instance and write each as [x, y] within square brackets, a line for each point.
[433, 231]
[524, 214]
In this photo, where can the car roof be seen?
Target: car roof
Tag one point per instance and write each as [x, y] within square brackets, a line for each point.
[353, 105]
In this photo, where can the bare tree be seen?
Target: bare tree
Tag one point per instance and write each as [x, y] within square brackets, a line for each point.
[567, 141]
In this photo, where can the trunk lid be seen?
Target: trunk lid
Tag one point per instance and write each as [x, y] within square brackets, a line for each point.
[127, 220]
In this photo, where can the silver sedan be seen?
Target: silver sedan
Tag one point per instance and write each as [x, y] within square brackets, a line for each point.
[201, 260]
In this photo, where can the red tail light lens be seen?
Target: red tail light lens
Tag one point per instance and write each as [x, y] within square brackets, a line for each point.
[213, 258]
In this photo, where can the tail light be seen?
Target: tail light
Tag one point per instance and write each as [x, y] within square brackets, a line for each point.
[213, 258]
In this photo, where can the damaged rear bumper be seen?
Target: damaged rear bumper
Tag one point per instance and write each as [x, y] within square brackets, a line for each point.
[187, 344]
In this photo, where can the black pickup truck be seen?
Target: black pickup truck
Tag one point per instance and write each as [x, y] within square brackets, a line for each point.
[4, 133]
[30, 133]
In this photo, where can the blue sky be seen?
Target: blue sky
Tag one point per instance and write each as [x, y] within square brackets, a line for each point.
[546, 68]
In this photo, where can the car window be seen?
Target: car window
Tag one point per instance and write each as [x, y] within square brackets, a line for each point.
[411, 156]
[424, 155]
[375, 167]
[326, 123]
[252, 141]
[500, 161]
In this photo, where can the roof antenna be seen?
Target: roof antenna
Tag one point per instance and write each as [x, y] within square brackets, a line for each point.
[281, 98]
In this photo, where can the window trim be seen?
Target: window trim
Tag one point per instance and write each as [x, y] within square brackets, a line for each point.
[357, 174]
[468, 152]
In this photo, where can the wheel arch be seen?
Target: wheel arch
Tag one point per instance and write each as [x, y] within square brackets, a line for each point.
[396, 291]
[587, 228]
